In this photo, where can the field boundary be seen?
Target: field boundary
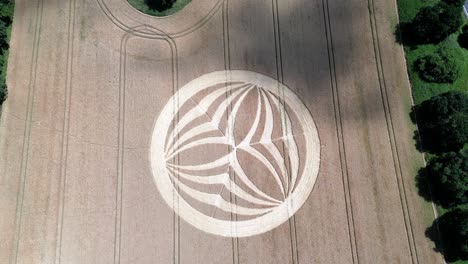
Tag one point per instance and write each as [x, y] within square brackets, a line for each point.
[423, 155]
[391, 132]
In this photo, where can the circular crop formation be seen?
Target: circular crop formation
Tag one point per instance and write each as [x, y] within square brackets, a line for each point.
[159, 8]
[235, 153]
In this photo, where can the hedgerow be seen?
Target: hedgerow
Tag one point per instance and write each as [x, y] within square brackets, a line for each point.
[6, 18]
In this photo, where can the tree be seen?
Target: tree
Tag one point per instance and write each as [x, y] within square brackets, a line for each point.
[3, 92]
[6, 12]
[458, 3]
[3, 37]
[443, 122]
[448, 175]
[463, 38]
[455, 131]
[440, 107]
[160, 5]
[443, 66]
[435, 23]
[453, 240]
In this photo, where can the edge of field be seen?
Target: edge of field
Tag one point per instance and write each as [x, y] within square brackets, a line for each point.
[420, 90]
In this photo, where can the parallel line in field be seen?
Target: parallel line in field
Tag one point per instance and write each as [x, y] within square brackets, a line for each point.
[340, 134]
[280, 76]
[175, 87]
[227, 66]
[391, 131]
[27, 130]
[66, 131]
[120, 149]
[121, 142]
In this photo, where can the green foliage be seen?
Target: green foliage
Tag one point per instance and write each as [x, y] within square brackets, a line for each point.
[6, 14]
[458, 3]
[448, 175]
[407, 9]
[435, 23]
[160, 5]
[142, 6]
[3, 37]
[453, 241]
[443, 122]
[448, 110]
[443, 66]
[423, 90]
[442, 106]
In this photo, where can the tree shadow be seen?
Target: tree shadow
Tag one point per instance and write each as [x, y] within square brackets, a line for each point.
[424, 185]
[429, 140]
[433, 233]
[423, 138]
[427, 136]
[404, 35]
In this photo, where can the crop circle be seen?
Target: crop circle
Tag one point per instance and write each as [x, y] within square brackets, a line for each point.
[293, 168]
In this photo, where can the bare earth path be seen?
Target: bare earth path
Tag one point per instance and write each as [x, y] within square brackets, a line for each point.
[89, 78]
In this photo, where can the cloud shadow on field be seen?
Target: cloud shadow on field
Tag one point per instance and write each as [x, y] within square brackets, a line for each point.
[307, 58]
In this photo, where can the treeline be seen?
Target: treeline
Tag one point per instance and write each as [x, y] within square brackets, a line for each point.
[6, 16]
[432, 25]
[443, 123]
[442, 119]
